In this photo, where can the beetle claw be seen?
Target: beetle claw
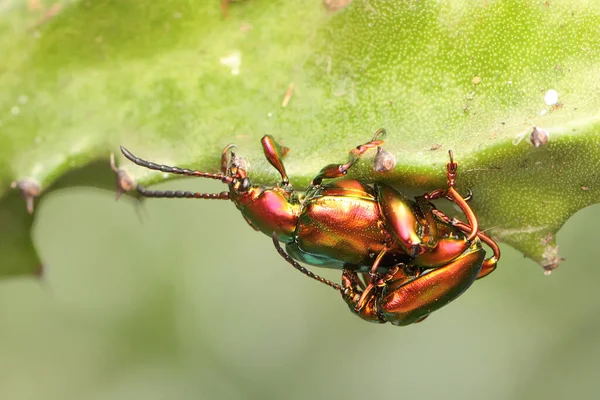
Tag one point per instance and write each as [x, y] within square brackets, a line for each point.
[469, 197]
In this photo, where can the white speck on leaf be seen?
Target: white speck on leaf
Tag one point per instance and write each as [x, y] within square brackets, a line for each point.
[551, 97]
[233, 61]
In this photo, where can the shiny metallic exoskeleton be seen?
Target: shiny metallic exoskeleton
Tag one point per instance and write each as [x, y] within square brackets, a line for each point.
[401, 258]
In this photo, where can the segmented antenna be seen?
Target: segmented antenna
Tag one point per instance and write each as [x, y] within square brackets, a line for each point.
[300, 268]
[173, 170]
[181, 194]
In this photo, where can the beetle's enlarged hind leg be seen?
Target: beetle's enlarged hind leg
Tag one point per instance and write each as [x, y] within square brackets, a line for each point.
[403, 299]
[404, 303]
[470, 228]
[332, 171]
[364, 302]
[489, 264]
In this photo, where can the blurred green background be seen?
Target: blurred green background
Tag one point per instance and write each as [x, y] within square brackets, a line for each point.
[190, 303]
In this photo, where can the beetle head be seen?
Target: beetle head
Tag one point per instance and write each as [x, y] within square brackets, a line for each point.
[233, 166]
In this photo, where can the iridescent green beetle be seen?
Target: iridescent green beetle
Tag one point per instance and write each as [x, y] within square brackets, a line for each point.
[412, 258]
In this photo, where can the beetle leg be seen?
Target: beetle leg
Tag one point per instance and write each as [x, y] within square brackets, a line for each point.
[430, 237]
[338, 170]
[366, 277]
[438, 193]
[351, 288]
[451, 168]
[469, 197]
[353, 291]
[225, 157]
[404, 303]
[375, 282]
[374, 279]
[365, 303]
[454, 196]
[489, 264]
[401, 218]
[300, 268]
[225, 7]
[373, 273]
[466, 209]
[275, 153]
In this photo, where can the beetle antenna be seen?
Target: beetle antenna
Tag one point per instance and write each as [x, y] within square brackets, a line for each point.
[300, 268]
[173, 170]
[181, 194]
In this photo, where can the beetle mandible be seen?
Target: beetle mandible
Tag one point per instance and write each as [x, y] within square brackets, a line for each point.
[411, 257]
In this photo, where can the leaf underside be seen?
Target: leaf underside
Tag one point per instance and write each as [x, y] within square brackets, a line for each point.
[175, 82]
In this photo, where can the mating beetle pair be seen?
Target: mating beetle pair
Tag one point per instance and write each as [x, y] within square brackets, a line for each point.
[401, 259]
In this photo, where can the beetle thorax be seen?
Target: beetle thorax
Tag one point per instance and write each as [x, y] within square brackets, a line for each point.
[269, 210]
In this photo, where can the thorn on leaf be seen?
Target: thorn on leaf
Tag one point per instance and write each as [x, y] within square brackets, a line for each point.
[30, 189]
[124, 182]
[39, 271]
[550, 258]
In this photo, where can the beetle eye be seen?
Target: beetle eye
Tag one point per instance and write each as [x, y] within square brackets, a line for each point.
[245, 184]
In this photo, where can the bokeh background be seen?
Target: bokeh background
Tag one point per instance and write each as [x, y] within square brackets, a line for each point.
[181, 299]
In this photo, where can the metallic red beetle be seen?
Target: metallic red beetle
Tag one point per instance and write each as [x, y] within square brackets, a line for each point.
[413, 259]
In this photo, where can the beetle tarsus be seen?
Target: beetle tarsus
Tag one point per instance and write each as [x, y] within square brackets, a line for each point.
[333, 171]
[452, 194]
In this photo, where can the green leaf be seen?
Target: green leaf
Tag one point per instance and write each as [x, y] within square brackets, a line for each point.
[175, 82]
